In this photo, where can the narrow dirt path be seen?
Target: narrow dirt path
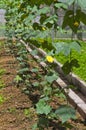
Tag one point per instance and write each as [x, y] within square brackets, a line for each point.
[14, 104]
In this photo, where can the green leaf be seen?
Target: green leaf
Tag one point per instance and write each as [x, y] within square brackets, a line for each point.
[34, 9]
[42, 107]
[51, 20]
[23, 70]
[82, 3]
[61, 95]
[65, 113]
[66, 49]
[58, 47]
[83, 17]
[44, 10]
[47, 90]
[62, 47]
[43, 83]
[59, 5]
[74, 63]
[66, 68]
[35, 84]
[35, 70]
[43, 123]
[51, 78]
[27, 92]
[75, 45]
[35, 126]
[68, 2]
[34, 52]
[17, 79]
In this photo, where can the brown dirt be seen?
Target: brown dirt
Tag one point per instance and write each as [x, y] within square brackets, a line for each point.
[12, 116]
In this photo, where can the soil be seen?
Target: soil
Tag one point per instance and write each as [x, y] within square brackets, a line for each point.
[12, 109]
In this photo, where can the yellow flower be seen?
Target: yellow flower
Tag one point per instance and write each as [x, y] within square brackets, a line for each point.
[50, 59]
[76, 24]
[43, 28]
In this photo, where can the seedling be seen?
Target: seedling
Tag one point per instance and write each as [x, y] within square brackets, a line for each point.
[2, 99]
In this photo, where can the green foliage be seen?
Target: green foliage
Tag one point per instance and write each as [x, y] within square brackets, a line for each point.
[68, 2]
[66, 48]
[17, 79]
[65, 113]
[68, 66]
[34, 70]
[79, 69]
[51, 77]
[2, 71]
[81, 3]
[2, 99]
[42, 107]
[34, 52]
[2, 85]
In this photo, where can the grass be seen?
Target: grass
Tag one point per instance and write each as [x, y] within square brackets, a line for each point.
[81, 57]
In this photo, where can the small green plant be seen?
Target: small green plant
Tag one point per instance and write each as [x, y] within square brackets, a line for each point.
[30, 113]
[17, 79]
[2, 71]
[2, 84]
[2, 99]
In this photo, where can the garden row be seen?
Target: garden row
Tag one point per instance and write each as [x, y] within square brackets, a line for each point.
[49, 102]
[17, 110]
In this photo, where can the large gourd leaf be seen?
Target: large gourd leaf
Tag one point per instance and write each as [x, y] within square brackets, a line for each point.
[82, 3]
[68, 66]
[58, 47]
[65, 113]
[75, 45]
[83, 17]
[51, 78]
[66, 20]
[42, 107]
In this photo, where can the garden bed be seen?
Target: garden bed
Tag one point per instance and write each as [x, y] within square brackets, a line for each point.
[17, 109]
[76, 97]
